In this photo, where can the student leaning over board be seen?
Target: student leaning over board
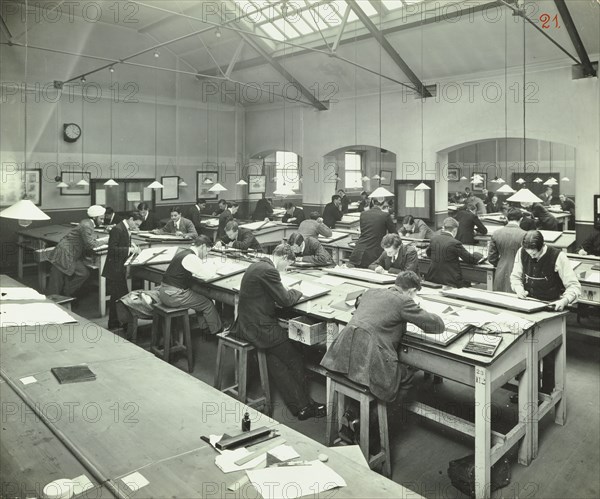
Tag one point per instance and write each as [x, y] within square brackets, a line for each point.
[415, 227]
[309, 250]
[68, 272]
[314, 226]
[238, 237]
[396, 257]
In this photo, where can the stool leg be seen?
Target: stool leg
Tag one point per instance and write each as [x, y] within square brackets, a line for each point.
[264, 379]
[167, 334]
[242, 376]
[364, 425]
[155, 326]
[188, 343]
[384, 439]
[332, 418]
[218, 383]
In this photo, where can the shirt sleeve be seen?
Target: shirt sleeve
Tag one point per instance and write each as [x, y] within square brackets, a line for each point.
[323, 230]
[194, 265]
[567, 275]
[88, 236]
[516, 277]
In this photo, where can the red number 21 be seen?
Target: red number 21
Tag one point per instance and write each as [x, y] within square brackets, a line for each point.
[545, 20]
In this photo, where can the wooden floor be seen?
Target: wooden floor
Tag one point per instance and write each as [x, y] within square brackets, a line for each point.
[568, 465]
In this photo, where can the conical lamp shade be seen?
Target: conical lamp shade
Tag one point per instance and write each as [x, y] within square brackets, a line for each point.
[422, 187]
[62, 185]
[463, 178]
[537, 180]
[24, 210]
[242, 182]
[83, 183]
[505, 189]
[381, 192]
[182, 183]
[551, 181]
[501, 181]
[524, 196]
[565, 179]
[110, 183]
[376, 177]
[217, 188]
[365, 179]
[208, 181]
[520, 181]
[155, 185]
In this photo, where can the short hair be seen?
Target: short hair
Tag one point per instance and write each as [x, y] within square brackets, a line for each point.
[201, 201]
[407, 279]
[514, 214]
[177, 209]
[202, 241]
[334, 197]
[288, 205]
[135, 215]
[390, 240]
[284, 251]
[377, 201]
[295, 239]
[364, 193]
[533, 239]
[143, 206]
[408, 220]
[222, 201]
[314, 215]
[467, 189]
[231, 225]
[109, 210]
[450, 223]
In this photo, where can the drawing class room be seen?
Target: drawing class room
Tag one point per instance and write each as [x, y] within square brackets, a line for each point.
[300, 248]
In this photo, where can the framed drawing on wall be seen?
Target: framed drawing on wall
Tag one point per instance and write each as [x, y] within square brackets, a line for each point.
[416, 202]
[73, 179]
[453, 174]
[204, 181]
[386, 177]
[257, 184]
[17, 183]
[481, 184]
[170, 188]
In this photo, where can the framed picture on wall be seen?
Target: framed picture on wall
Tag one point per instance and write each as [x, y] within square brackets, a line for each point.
[73, 179]
[204, 181]
[17, 183]
[170, 188]
[482, 184]
[386, 177]
[453, 174]
[33, 186]
[257, 184]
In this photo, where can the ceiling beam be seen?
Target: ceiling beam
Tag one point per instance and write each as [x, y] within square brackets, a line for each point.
[235, 58]
[338, 38]
[284, 72]
[586, 64]
[4, 29]
[391, 51]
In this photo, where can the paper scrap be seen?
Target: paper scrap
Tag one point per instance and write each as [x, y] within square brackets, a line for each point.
[284, 452]
[592, 277]
[135, 481]
[226, 461]
[295, 481]
[27, 380]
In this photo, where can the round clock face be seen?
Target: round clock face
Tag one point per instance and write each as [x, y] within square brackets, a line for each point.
[71, 132]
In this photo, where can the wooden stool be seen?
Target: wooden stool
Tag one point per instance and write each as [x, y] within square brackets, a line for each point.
[341, 387]
[65, 301]
[165, 315]
[241, 349]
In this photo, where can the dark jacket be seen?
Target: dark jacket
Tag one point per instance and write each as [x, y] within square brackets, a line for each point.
[224, 217]
[445, 251]
[112, 221]
[374, 224]
[261, 289]
[195, 218]
[313, 228]
[420, 230]
[592, 244]
[298, 215]
[363, 203]
[545, 219]
[503, 248]
[366, 351]
[331, 215]
[467, 222]
[149, 223]
[119, 242]
[314, 252]
[245, 240]
[73, 246]
[345, 203]
[185, 226]
[263, 210]
[494, 208]
[406, 259]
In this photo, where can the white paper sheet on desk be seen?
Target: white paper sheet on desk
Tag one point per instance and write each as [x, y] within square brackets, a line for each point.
[592, 277]
[295, 481]
[211, 222]
[330, 280]
[226, 461]
[309, 289]
[550, 235]
[31, 314]
[258, 225]
[574, 264]
[288, 281]
[10, 294]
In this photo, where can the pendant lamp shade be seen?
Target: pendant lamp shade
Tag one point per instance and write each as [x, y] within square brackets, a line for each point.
[110, 183]
[365, 179]
[537, 180]
[565, 179]
[520, 181]
[242, 182]
[62, 185]
[155, 185]
[24, 211]
[505, 189]
[381, 192]
[551, 181]
[524, 196]
[83, 183]
[182, 183]
[217, 188]
[422, 187]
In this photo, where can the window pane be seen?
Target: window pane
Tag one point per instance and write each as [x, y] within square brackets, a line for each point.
[367, 8]
[271, 31]
[353, 180]
[287, 170]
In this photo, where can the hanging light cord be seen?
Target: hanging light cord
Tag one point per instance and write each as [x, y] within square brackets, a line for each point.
[25, 103]
[156, 131]
[524, 107]
[111, 127]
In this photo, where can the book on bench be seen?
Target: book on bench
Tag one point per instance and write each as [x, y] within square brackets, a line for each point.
[73, 374]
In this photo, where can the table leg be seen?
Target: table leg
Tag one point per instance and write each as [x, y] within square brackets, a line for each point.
[489, 275]
[528, 408]
[20, 256]
[101, 293]
[333, 330]
[560, 377]
[483, 433]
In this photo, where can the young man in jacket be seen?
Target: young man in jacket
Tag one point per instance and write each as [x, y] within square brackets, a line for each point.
[503, 247]
[68, 272]
[396, 257]
[178, 225]
[238, 237]
[120, 247]
[468, 222]
[293, 215]
[332, 212]
[314, 227]
[257, 322]
[309, 249]
[415, 227]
